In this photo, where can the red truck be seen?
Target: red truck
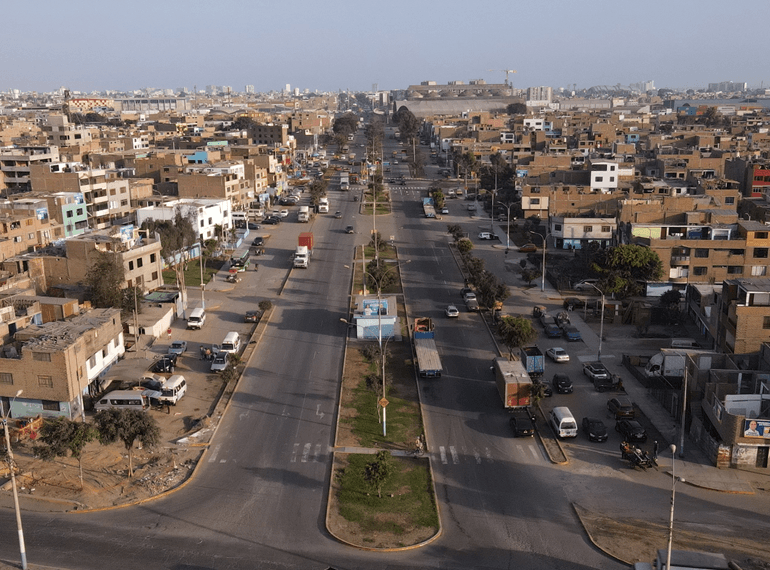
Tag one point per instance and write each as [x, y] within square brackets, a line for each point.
[513, 383]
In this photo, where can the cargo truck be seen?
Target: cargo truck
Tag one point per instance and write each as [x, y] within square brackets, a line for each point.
[428, 360]
[534, 361]
[304, 250]
[323, 205]
[344, 182]
[669, 363]
[304, 214]
[513, 383]
[428, 208]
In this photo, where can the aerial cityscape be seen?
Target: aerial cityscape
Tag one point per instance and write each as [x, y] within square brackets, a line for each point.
[409, 287]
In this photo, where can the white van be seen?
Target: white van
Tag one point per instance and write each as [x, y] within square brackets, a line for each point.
[196, 319]
[173, 390]
[126, 400]
[323, 205]
[563, 422]
[231, 344]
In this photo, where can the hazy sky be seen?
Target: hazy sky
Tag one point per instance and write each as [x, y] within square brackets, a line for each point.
[88, 45]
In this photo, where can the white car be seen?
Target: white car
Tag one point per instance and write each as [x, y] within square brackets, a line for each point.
[444, 210]
[284, 213]
[219, 363]
[470, 296]
[557, 354]
[586, 285]
[486, 235]
[451, 311]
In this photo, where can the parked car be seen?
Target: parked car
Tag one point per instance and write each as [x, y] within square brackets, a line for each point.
[284, 213]
[486, 235]
[178, 347]
[571, 303]
[252, 316]
[163, 366]
[621, 407]
[451, 311]
[258, 241]
[595, 430]
[557, 354]
[172, 356]
[254, 226]
[631, 430]
[546, 388]
[528, 248]
[152, 382]
[596, 370]
[219, 363]
[562, 384]
[468, 295]
[444, 210]
[271, 221]
[464, 291]
[522, 423]
[585, 285]
[349, 230]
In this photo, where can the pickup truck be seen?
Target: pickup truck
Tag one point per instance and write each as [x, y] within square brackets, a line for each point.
[596, 371]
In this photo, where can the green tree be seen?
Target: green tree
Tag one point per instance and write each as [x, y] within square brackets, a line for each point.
[345, 125]
[104, 280]
[131, 300]
[529, 275]
[516, 109]
[377, 472]
[374, 131]
[438, 197]
[60, 436]
[456, 231]
[490, 289]
[670, 301]
[127, 426]
[622, 266]
[516, 332]
[377, 242]
[380, 274]
[464, 246]
[408, 124]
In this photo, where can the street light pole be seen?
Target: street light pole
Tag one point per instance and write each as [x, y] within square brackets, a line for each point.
[671, 516]
[543, 237]
[601, 324]
[22, 549]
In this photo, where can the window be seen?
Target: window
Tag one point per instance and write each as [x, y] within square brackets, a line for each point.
[130, 265]
[80, 211]
[766, 322]
[139, 262]
[69, 213]
[600, 178]
[606, 229]
[700, 252]
[734, 270]
[154, 275]
[612, 179]
[557, 227]
[760, 252]
[112, 192]
[760, 235]
[699, 270]
[588, 229]
[534, 201]
[45, 381]
[152, 258]
[6, 378]
[730, 200]
[41, 356]
[50, 405]
[759, 271]
[30, 236]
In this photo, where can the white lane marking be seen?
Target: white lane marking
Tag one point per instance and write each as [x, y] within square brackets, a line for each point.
[223, 460]
[214, 455]
[533, 451]
[317, 452]
[477, 455]
[294, 453]
[305, 452]
[455, 457]
[442, 452]
[318, 411]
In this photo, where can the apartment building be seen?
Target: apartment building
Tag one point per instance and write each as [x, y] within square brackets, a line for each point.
[569, 232]
[744, 315]
[15, 164]
[206, 214]
[26, 229]
[57, 363]
[205, 182]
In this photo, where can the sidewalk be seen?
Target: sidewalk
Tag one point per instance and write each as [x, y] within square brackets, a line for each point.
[693, 467]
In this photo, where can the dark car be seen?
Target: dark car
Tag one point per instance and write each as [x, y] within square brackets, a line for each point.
[595, 429]
[253, 226]
[521, 423]
[338, 214]
[574, 303]
[465, 290]
[252, 316]
[172, 357]
[152, 383]
[272, 220]
[349, 230]
[163, 366]
[258, 241]
[562, 384]
[631, 430]
[621, 407]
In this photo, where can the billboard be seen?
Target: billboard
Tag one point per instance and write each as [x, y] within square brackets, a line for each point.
[756, 428]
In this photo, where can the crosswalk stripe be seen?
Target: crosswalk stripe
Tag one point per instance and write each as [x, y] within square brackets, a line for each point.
[453, 452]
[306, 452]
[442, 452]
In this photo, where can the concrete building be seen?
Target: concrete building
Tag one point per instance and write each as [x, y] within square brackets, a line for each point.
[206, 214]
[577, 232]
[744, 315]
[15, 163]
[56, 364]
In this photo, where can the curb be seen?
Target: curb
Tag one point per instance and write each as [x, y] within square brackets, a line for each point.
[591, 538]
[258, 331]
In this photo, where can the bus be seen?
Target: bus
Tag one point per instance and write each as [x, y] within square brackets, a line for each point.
[240, 263]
